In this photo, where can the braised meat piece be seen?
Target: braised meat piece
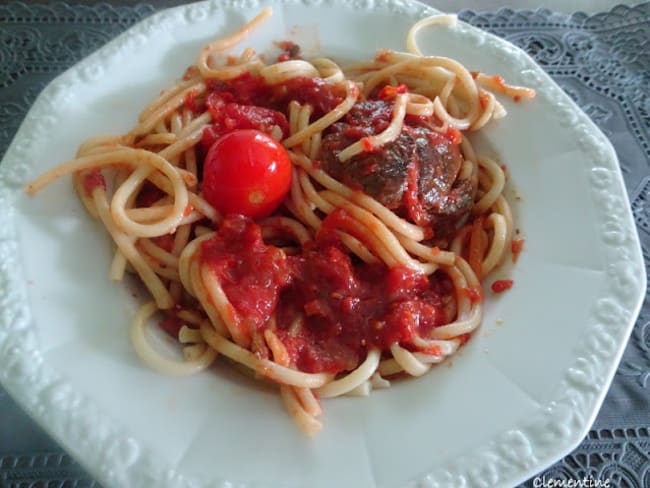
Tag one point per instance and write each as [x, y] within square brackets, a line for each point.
[415, 175]
[381, 174]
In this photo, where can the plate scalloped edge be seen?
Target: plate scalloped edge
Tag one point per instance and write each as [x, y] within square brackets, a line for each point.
[116, 459]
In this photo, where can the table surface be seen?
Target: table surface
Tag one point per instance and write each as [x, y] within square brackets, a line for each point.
[618, 446]
[588, 6]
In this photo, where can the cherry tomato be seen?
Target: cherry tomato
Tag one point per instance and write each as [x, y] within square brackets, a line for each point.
[246, 172]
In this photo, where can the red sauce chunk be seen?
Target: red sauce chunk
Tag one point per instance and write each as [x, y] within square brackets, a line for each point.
[148, 195]
[165, 242]
[483, 100]
[171, 324]
[290, 50]
[93, 179]
[499, 286]
[248, 102]
[499, 81]
[250, 272]
[454, 135]
[517, 245]
[250, 89]
[320, 94]
[414, 208]
[230, 116]
[190, 102]
[389, 92]
[350, 308]
[330, 309]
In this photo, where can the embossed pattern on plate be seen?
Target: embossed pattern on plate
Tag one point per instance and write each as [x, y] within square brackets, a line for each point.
[119, 459]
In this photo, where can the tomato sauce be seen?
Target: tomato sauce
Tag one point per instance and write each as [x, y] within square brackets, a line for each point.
[171, 324]
[93, 179]
[250, 89]
[250, 272]
[190, 102]
[290, 50]
[148, 195]
[368, 119]
[165, 241]
[248, 102]
[499, 286]
[499, 81]
[388, 92]
[229, 116]
[516, 246]
[329, 308]
[414, 208]
[320, 94]
[454, 135]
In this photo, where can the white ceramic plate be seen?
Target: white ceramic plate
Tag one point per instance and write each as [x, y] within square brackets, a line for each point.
[516, 398]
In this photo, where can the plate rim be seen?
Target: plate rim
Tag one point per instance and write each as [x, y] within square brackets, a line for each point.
[511, 457]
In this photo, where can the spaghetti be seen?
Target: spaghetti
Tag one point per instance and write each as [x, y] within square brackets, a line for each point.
[370, 267]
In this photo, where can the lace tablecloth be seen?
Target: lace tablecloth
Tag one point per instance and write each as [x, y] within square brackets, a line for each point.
[603, 63]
